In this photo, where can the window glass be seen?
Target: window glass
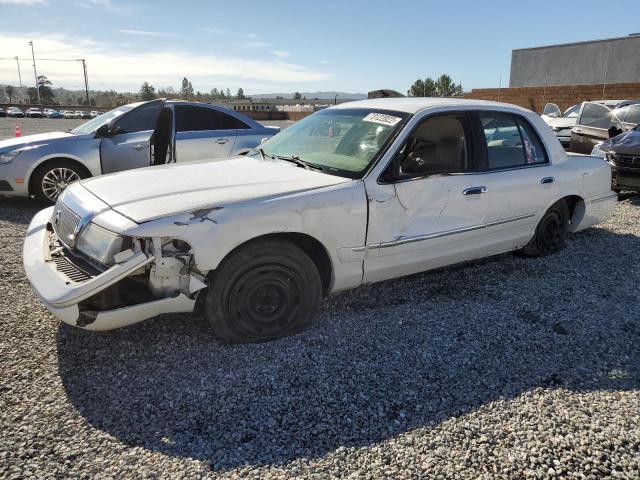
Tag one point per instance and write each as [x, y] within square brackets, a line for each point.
[227, 122]
[620, 113]
[572, 112]
[192, 119]
[139, 120]
[504, 142]
[596, 116]
[633, 116]
[438, 145]
[534, 151]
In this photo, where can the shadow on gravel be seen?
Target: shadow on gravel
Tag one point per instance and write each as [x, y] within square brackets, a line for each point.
[19, 210]
[384, 359]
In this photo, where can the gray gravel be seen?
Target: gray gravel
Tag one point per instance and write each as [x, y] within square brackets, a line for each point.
[503, 368]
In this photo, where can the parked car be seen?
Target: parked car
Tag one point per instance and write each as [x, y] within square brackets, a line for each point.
[84, 115]
[623, 153]
[33, 112]
[94, 113]
[51, 113]
[131, 136]
[3, 113]
[15, 112]
[69, 114]
[356, 193]
[561, 123]
[595, 120]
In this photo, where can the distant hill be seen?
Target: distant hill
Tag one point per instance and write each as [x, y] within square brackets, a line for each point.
[313, 95]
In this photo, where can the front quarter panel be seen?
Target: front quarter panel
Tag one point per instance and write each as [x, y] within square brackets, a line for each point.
[336, 216]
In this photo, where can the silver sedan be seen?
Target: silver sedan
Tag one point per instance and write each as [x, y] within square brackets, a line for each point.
[132, 136]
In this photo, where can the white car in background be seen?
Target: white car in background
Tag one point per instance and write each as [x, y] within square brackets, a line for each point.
[353, 194]
[561, 123]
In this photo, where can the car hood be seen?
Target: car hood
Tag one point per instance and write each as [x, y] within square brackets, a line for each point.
[28, 140]
[627, 143]
[560, 122]
[148, 193]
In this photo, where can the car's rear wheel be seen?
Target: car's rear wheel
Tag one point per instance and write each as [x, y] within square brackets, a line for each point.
[551, 232]
[266, 289]
[53, 177]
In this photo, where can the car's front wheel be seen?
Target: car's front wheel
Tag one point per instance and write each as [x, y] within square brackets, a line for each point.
[53, 177]
[264, 290]
[551, 233]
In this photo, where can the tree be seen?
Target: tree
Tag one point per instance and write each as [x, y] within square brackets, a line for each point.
[458, 92]
[221, 94]
[228, 94]
[10, 90]
[240, 94]
[44, 87]
[214, 93]
[445, 86]
[297, 96]
[186, 91]
[420, 88]
[32, 93]
[147, 92]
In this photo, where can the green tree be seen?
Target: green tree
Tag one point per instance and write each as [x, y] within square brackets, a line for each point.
[423, 88]
[228, 94]
[147, 92]
[32, 93]
[297, 96]
[186, 91]
[445, 86]
[214, 93]
[10, 90]
[221, 93]
[240, 94]
[44, 87]
[458, 92]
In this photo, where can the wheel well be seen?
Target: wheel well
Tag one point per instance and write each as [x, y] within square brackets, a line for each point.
[56, 159]
[312, 247]
[576, 207]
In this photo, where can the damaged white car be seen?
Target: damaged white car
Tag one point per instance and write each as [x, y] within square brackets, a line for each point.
[357, 193]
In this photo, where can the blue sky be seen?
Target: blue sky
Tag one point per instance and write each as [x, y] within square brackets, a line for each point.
[282, 46]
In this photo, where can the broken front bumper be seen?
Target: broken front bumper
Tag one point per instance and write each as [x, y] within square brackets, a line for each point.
[61, 295]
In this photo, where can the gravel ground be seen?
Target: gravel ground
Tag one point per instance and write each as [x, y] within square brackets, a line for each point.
[502, 368]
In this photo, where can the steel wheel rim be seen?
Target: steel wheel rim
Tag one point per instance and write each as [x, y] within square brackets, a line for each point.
[551, 232]
[56, 180]
[265, 301]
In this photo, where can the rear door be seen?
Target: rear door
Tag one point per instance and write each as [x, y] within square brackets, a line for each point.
[632, 117]
[202, 133]
[128, 145]
[591, 127]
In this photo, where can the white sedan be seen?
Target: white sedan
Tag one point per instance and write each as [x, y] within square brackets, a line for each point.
[354, 194]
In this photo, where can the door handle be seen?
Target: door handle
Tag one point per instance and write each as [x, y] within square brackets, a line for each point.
[577, 130]
[546, 180]
[474, 190]
[222, 141]
[138, 147]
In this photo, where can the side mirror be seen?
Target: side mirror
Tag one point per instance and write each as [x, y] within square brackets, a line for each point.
[613, 131]
[103, 131]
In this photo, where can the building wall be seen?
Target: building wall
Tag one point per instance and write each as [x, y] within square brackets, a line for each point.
[577, 63]
[564, 96]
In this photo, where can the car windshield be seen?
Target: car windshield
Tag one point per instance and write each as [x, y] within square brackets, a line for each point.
[572, 112]
[95, 123]
[338, 141]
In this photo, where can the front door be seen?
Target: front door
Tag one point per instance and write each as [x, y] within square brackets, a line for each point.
[426, 211]
[591, 127]
[128, 143]
[201, 134]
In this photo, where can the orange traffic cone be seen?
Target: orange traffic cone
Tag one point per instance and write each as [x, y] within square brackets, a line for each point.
[18, 133]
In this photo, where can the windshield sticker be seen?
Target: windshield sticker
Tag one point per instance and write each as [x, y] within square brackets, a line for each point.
[381, 118]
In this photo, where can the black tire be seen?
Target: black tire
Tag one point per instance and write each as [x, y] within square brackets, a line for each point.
[266, 289]
[551, 233]
[67, 170]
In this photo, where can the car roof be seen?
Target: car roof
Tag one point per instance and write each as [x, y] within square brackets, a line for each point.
[415, 104]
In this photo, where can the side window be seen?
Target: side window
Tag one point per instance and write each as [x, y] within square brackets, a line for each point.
[511, 141]
[227, 122]
[633, 116]
[596, 116]
[139, 119]
[438, 145]
[193, 119]
[620, 113]
[572, 112]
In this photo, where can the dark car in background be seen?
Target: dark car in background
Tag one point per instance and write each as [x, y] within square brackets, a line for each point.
[34, 112]
[623, 153]
[597, 118]
[2, 112]
[15, 112]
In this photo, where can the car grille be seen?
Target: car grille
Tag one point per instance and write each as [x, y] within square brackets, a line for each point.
[630, 161]
[65, 223]
[72, 271]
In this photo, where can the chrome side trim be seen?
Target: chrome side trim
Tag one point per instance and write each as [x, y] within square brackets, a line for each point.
[604, 199]
[430, 236]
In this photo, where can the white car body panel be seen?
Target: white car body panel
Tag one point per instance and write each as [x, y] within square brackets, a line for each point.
[370, 230]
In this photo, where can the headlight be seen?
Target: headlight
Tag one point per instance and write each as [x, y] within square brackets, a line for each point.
[100, 244]
[7, 157]
[596, 152]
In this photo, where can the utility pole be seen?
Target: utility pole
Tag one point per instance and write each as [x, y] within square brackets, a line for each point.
[19, 75]
[35, 74]
[86, 81]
